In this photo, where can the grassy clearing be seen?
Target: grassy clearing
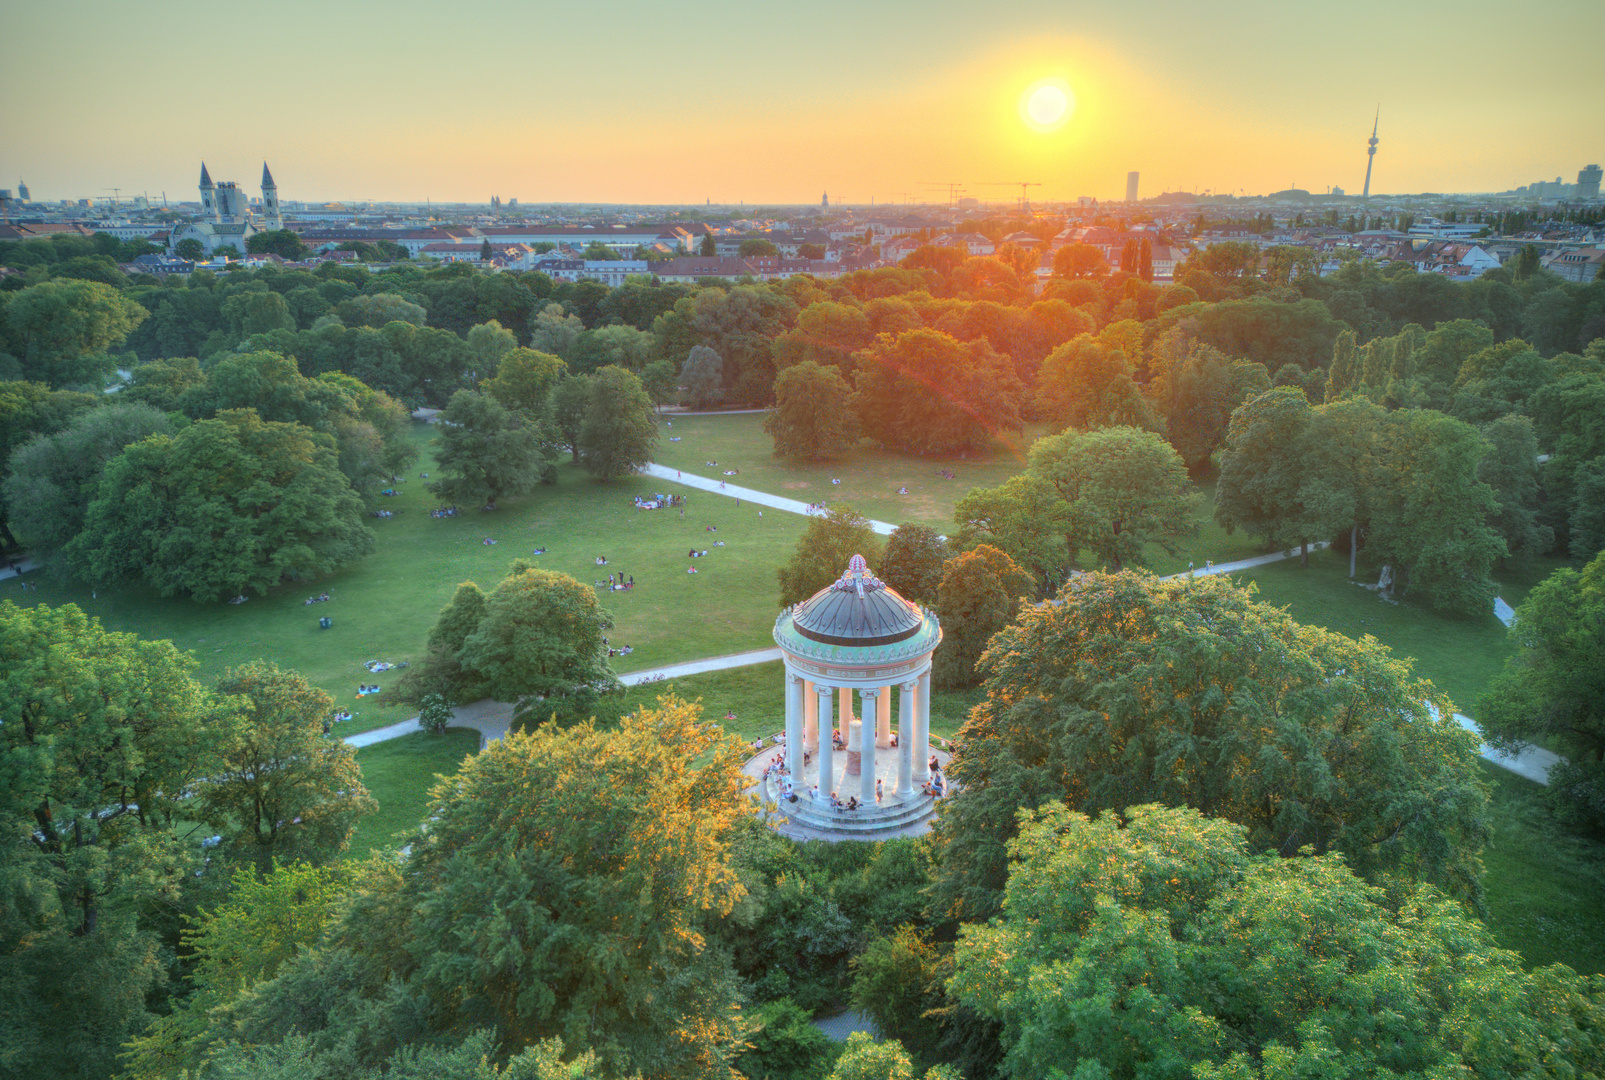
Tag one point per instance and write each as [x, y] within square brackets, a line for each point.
[383, 606]
[1458, 655]
[1545, 886]
[399, 774]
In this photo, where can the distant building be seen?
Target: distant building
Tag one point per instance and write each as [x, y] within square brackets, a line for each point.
[1587, 184]
[22, 189]
[1371, 154]
[232, 223]
[1581, 266]
[1131, 187]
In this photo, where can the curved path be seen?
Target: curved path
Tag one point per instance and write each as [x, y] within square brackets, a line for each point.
[491, 719]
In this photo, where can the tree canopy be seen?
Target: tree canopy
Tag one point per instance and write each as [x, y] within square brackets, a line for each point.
[1159, 943]
[620, 432]
[813, 418]
[485, 451]
[823, 552]
[1128, 689]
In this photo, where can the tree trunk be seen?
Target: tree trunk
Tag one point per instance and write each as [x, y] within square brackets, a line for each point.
[1304, 554]
[1354, 546]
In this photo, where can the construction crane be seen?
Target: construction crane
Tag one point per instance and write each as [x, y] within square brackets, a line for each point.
[952, 188]
[1025, 206]
[116, 196]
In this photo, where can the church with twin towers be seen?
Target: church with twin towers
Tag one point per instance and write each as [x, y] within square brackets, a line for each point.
[227, 217]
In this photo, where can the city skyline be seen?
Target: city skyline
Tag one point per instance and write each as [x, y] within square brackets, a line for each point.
[763, 108]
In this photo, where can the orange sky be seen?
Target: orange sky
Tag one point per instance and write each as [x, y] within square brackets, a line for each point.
[625, 101]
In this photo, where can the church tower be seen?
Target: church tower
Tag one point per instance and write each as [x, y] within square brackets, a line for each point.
[208, 194]
[270, 201]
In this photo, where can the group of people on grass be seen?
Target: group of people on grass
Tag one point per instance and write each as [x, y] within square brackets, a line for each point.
[317, 599]
[443, 512]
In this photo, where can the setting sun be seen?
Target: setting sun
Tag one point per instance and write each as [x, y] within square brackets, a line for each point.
[1047, 105]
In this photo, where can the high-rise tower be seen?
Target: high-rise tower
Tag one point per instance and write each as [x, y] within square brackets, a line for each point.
[1131, 187]
[270, 201]
[208, 193]
[22, 191]
[1371, 154]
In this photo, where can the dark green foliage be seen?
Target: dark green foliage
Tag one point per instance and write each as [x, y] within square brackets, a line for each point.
[1553, 688]
[813, 417]
[1129, 690]
[915, 555]
[485, 451]
[823, 552]
[620, 431]
[225, 505]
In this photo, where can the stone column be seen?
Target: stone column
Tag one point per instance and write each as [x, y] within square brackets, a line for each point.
[923, 746]
[811, 717]
[905, 740]
[844, 706]
[827, 763]
[867, 709]
[883, 719]
[919, 736]
[794, 727]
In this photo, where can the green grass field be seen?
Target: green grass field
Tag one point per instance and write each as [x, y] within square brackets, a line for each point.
[399, 774]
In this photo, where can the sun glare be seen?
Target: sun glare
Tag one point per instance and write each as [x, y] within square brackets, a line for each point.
[1047, 105]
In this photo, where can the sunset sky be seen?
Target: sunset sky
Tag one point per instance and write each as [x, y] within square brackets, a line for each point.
[618, 101]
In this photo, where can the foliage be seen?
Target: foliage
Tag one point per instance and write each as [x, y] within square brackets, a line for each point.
[897, 982]
[546, 921]
[103, 735]
[281, 242]
[283, 789]
[53, 478]
[620, 431]
[1125, 489]
[980, 594]
[1553, 688]
[813, 418]
[1087, 383]
[1196, 388]
[1129, 689]
[823, 551]
[267, 920]
[1024, 518]
[540, 641]
[1512, 470]
[913, 562]
[29, 410]
[927, 393]
[486, 451]
[865, 1059]
[435, 713]
[702, 376]
[1160, 945]
[61, 330]
[225, 505]
[784, 1044]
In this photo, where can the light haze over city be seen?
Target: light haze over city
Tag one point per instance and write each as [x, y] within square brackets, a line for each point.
[627, 102]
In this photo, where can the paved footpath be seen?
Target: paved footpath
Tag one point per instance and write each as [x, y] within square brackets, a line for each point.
[486, 717]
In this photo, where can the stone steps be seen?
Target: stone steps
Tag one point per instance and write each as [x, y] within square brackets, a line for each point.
[866, 819]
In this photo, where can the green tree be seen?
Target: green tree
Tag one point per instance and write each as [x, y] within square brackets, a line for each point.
[161, 383]
[913, 562]
[191, 249]
[61, 331]
[54, 478]
[758, 248]
[661, 383]
[223, 506]
[104, 735]
[568, 405]
[1086, 383]
[1512, 470]
[928, 393]
[1131, 690]
[435, 713]
[1431, 516]
[823, 551]
[1125, 489]
[813, 418]
[490, 343]
[283, 789]
[596, 251]
[980, 594]
[620, 433]
[863, 1058]
[441, 672]
[380, 309]
[703, 377]
[589, 926]
[1343, 456]
[1552, 689]
[281, 242]
[708, 248]
[1157, 943]
[1196, 388]
[897, 982]
[783, 1044]
[1026, 519]
[485, 451]
[540, 643]
[267, 920]
[29, 410]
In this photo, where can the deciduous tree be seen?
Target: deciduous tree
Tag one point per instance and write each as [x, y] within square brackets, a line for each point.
[928, 393]
[485, 451]
[823, 552]
[1129, 690]
[980, 594]
[620, 433]
[813, 418]
[913, 562]
[61, 330]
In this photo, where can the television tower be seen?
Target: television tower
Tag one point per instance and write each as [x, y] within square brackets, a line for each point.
[1371, 154]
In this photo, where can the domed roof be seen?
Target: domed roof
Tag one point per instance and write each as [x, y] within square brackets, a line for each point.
[859, 609]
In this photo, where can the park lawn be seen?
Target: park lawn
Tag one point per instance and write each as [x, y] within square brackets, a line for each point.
[1460, 656]
[399, 774]
[869, 478]
[384, 605]
[1545, 886]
